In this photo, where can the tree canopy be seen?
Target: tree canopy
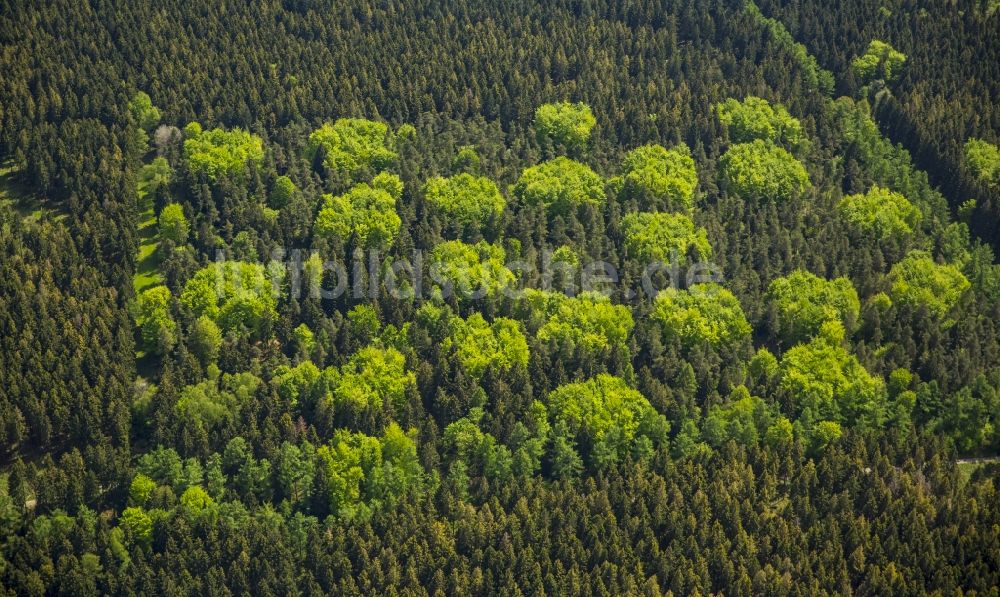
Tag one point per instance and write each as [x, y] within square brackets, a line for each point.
[218, 152]
[560, 185]
[480, 344]
[366, 212]
[665, 237]
[464, 198]
[983, 159]
[234, 294]
[469, 270]
[703, 314]
[918, 281]
[565, 123]
[762, 170]
[755, 118]
[589, 321]
[880, 61]
[659, 178]
[881, 212]
[353, 147]
[804, 302]
[608, 420]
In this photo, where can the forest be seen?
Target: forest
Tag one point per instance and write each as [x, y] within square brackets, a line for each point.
[658, 297]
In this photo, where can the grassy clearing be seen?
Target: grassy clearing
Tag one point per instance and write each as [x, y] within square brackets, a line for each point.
[147, 262]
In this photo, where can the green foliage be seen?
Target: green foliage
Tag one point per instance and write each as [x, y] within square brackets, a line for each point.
[608, 418]
[917, 280]
[373, 377]
[760, 169]
[479, 344]
[479, 452]
[138, 524]
[152, 315]
[881, 212]
[804, 302]
[826, 382]
[816, 77]
[205, 339]
[703, 314]
[755, 118]
[565, 124]
[154, 175]
[219, 152]
[145, 113]
[367, 212]
[747, 420]
[469, 271]
[665, 237]
[141, 488]
[195, 500]
[660, 178]
[353, 147]
[173, 224]
[880, 61]
[465, 199]
[234, 294]
[588, 321]
[983, 159]
[363, 473]
[305, 340]
[467, 160]
[560, 185]
[281, 192]
[293, 383]
[217, 398]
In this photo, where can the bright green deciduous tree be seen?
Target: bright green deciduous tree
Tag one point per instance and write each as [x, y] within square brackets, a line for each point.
[353, 147]
[145, 113]
[138, 524]
[664, 237]
[371, 377]
[205, 339]
[154, 175]
[234, 294]
[984, 160]
[479, 452]
[880, 61]
[152, 315]
[465, 199]
[219, 152]
[747, 420]
[367, 212]
[607, 418]
[589, 321]
[881, 212]
[173, 224]
[141, 488]
[660, 178]
[804, 302]
[293, 383]
[560, 185]
[825, 382]
[918, 280]
[195, 500]
[217, 398]
[565, 124]
[469, 271]
[760, 169]
[755, 118]
[362, 474]
[703, 314]
[281, 192]
[479, 344]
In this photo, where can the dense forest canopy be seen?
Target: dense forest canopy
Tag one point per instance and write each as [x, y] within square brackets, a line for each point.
[581, 297]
